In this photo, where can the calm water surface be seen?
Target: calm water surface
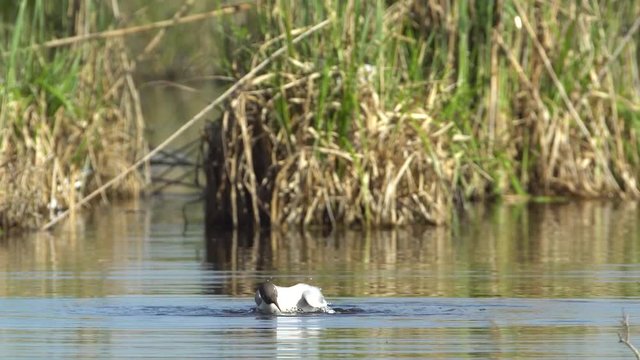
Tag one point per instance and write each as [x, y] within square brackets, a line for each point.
[511, 281]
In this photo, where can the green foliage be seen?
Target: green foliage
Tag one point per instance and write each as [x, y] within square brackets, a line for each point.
[42, 74]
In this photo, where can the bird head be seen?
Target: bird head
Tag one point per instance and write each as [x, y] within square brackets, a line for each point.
[269, 294]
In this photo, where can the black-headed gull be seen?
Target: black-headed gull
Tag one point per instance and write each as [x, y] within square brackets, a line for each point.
[273, 299]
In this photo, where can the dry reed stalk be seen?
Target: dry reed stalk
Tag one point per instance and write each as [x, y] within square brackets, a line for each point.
[104, 35]
[305, 188]
[28, 155]
[565, 97]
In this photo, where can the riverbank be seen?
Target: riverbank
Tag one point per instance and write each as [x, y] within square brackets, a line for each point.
[70, 116]
[394, 113]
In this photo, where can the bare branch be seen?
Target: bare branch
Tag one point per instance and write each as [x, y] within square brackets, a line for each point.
[624, 335]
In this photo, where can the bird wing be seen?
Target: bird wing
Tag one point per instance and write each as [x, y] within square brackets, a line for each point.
[314, 298]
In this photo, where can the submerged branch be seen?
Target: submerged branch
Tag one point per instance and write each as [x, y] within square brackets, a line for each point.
[624, 336]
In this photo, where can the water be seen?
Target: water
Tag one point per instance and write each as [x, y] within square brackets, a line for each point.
[538, 281]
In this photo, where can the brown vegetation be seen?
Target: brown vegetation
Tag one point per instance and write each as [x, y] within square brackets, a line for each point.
[393, 112]
[71, 120]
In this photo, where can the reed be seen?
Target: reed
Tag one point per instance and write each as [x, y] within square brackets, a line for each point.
[69, 117]
[400, 107]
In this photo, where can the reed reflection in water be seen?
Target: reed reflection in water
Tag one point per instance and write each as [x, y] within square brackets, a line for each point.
[586, 249]
[127, 248]
[574, 250]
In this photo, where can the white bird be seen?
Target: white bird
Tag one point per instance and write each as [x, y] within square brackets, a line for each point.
[272, 299]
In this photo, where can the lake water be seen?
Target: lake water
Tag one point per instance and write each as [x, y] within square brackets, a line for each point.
[510, 281]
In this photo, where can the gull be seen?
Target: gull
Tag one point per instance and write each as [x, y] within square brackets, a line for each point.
[299, 298]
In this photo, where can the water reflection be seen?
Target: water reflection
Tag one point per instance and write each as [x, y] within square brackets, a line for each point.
[296, 337]
[130, 281]
[98, 254]
[589, 249]
[548, 250]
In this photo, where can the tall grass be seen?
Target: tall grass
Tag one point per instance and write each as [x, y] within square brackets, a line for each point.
[68, 117]
[400, 107]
